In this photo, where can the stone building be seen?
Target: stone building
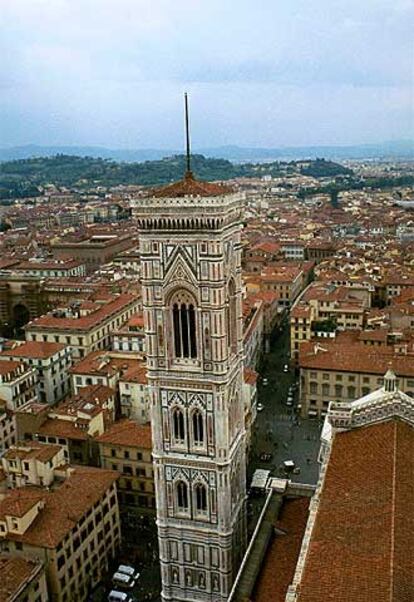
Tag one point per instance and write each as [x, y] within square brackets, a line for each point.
[72, 527]
[359, 544]
[126, 447]
[51, 362]
[191, 285]
[22, 580]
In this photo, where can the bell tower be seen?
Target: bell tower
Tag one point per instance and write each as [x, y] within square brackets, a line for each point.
[191, 287]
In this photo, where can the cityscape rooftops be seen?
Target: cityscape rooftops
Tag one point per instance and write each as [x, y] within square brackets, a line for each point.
[61, 507]
[15, 573]
[101, 313]
[364, 518]
[128, 433]
[34, 350]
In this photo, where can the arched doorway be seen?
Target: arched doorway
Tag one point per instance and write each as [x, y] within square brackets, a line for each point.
[21, 316]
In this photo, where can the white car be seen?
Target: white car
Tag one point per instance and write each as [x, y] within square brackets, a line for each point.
[286, 368]
[265, 382]
[260, 407]
[128, 570]
[116, 596]
[123, 581]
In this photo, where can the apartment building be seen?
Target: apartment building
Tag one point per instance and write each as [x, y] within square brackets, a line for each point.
[18, 384]
[131, 335]
[32, 463]
[253, 331]
[51, 362]
[349, 367]
[134, 393]
[72, 527]
[73, 424]
[102, 368]
[22, 580]
[84, 329]
[127, 447]
[92, 250]
[285, 280]
[324, 308]
[51, 269]
[8, 429]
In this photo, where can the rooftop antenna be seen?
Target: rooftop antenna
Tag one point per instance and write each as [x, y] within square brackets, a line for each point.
[187, 137]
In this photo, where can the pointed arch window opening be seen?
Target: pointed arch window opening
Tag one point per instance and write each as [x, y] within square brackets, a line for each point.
[200, 498]
[178, 425]
[182, 495]
[198, 428]
[184, 330]
[232, 317]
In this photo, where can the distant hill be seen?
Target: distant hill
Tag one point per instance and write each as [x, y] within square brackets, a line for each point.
[26, 177]
[393, 149]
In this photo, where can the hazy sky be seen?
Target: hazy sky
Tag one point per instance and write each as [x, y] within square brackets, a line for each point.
[259, 73]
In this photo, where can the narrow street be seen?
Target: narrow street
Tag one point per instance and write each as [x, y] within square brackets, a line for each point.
[279, 432]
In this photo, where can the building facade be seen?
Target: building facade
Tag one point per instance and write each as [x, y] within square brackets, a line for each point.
[191, 285]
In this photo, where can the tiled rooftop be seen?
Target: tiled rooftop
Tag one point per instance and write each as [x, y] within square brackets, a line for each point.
[362, 544]
[128, 433]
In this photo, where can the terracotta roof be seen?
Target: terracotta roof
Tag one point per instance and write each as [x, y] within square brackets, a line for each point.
[17, 504]
[32, 450]
[362, 544]
[280, 561]
[34, 350]
[137, 374]
[86, 322]
[10, 366]
[65, 429]
[63, 506]
[191, 187]
[15, 572]
[104, 363]
[129, 433]
[346, 355]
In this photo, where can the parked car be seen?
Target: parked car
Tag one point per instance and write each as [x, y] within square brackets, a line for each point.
[116, 596]
[265, 382]
[122, 580]
[128, 570]
[260, 407]
[286, 368]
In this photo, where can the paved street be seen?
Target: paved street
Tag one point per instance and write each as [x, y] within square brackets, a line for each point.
[278, 430]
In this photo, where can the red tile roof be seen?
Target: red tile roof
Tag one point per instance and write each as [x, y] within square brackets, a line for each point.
[362, 544]
[63, 506]
[86, 322]
[191, 187]
[34, 350]
[346, 354]
[128, 433]
[280, 561]
[15, 572]
[6, 367]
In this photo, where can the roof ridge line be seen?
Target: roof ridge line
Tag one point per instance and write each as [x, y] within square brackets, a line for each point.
[394, 482]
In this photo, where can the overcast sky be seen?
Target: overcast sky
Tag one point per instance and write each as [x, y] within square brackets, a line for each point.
[259, 73]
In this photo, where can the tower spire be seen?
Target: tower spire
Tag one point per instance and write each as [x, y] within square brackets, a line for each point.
[188, 173]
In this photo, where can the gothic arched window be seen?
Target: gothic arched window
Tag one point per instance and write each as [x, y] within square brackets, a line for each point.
[184, 325]
[232, 316]
[198, 427]
[178, 425]
[200, 497]
[182, 495]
